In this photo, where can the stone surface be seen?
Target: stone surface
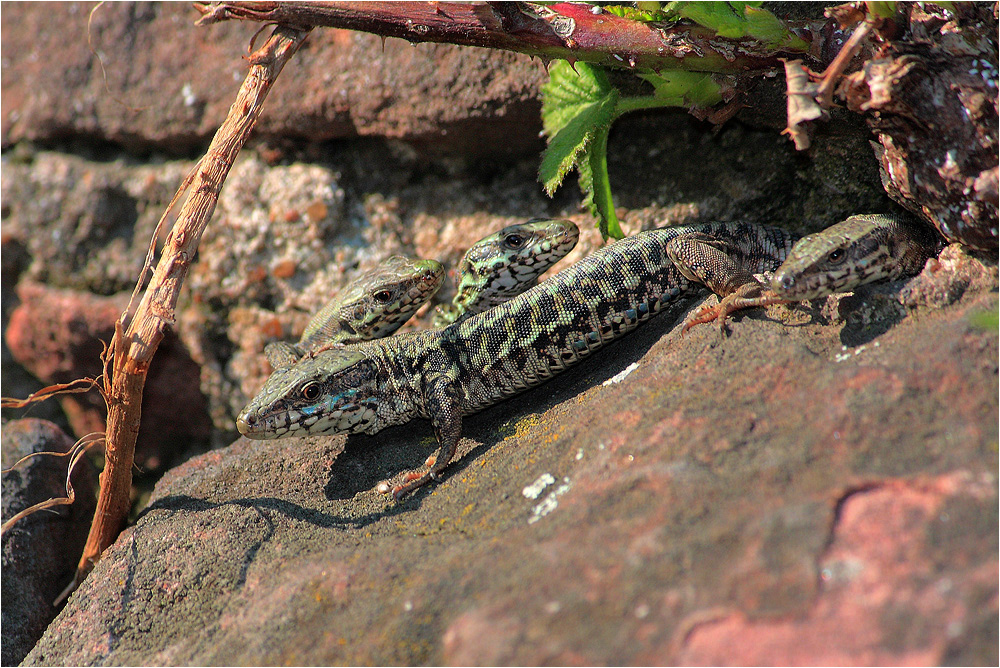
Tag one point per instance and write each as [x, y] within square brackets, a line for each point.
[342, 84]
[40, 551]
[829, 466]
[58, 335]
[84, 223]
[778, 496]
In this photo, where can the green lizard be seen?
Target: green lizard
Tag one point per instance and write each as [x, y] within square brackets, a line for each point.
[862, 249]
[494, 269]
[505, 264]
[443, 375]
[375, 305]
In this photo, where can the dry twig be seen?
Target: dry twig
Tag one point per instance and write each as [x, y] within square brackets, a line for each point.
[136, 338]
[75, 454]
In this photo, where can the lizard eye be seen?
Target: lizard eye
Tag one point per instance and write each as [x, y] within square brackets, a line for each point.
[514, 240]
[382, 296]
[310, 391]
[837, 256]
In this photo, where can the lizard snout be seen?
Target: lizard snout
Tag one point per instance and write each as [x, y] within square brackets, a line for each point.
[783, 281]
[241, 425]
[245, 422]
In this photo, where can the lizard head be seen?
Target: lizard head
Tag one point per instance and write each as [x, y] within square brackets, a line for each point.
[330, 392]
[840, 257]
[382, 300]
[507, 262]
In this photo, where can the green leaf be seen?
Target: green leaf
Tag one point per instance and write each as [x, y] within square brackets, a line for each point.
[887, 10]
[575, 104]
[578, 107]
[718, 16]
[643, 11]
[768, 28]
[737, 20]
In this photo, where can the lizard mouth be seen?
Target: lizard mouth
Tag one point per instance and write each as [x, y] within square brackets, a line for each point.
[252, 425]
[787, 286]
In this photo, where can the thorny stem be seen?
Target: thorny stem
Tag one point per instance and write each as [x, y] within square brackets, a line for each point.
[569, 30]
[132, 349]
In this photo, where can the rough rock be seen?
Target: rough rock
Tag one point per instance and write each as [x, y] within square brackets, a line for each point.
[932, 100]
[58, 335]
[778, 496]
[954, 271]
[17, 382]
[750, 490]
[85, 223]
[343, 84]
[40, 551]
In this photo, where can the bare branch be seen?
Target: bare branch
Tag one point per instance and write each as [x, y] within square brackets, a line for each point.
[132, 348]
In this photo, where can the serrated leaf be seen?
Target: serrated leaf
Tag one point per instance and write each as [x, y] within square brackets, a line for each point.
[887, 10]
[768, 28]
[575, 104]
[569, 88]
[737, 20]
[643, 11]
[718, 16]
[563, 153]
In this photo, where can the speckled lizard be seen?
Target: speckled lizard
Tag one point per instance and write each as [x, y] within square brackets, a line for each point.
[446, 374]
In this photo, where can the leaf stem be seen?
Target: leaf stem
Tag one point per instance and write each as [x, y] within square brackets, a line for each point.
[603, 199]
[638, 102]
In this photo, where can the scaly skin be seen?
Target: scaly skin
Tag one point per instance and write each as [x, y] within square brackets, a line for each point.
[443, 375]
[862, 249]
[495, 269]
[375, 305]
[503, 265]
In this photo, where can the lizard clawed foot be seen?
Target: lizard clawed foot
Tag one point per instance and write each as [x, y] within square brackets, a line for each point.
[734, 302]
[414, 479]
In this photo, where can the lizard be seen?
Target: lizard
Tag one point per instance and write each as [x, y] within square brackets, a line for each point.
[862, 249]
[493, 270]
[446, 374]
[505, 264]
[375, 305]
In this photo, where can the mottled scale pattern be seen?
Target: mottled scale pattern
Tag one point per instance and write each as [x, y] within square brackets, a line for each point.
[862, 249]
[375, 305]
[505, 264]
[446, 374]
[529, 339]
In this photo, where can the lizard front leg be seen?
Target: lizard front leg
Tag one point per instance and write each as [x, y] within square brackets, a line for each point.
[281, 354]
[446, 416]
[725, 269]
